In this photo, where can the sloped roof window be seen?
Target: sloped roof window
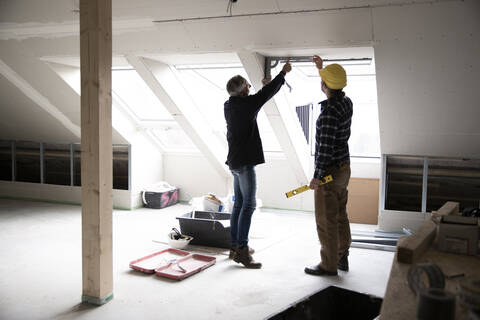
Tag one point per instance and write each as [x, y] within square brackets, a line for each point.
[128, 85]
[151, 115]
[206, 85]
[361, 88]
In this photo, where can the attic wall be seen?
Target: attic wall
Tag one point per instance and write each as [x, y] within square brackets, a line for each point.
[427, 60]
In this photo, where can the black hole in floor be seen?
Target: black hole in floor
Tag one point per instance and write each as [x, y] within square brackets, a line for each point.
[333, 303]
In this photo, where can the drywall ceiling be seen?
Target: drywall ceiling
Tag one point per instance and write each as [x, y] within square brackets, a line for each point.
[60, 11]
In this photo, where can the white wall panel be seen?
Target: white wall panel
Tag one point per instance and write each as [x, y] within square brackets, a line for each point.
[426, 57]
[194, 175]
[55, 193]
[427, 74]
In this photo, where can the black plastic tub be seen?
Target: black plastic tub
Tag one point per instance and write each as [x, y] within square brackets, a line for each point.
[211, 229]
[333, 303]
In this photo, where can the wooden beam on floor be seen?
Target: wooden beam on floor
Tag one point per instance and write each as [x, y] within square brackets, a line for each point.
[411, 248]
[449, 208]
[96, 126]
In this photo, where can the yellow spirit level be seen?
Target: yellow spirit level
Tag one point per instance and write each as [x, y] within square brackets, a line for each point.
[304, 188]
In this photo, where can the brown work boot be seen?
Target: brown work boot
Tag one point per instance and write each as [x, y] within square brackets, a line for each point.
[343, 262]
[244, 257]
[317, 270]
[233, 249]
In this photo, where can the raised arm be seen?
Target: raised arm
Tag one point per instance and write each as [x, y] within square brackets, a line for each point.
[271, 88]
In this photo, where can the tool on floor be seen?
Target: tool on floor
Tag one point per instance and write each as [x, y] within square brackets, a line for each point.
[304, 188]
[177, 263]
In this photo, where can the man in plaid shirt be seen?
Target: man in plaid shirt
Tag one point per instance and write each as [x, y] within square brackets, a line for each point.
[332, 158]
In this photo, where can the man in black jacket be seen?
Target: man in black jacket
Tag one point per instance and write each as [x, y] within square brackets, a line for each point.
[244, 153]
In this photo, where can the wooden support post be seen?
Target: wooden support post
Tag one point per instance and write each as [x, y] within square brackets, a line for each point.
[96, 131]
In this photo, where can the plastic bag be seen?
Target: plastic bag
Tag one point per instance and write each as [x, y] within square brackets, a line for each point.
[212, 203]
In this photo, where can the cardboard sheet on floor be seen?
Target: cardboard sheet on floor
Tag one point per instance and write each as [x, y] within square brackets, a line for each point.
[173, 263]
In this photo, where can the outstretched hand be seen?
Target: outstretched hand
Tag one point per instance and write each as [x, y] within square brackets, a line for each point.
[287, 67]
[318, 61]
[314, 184]
[266, 80]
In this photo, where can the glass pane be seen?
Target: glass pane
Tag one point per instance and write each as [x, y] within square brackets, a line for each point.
[133, 91]
[207, 87]
[305, 82]
[57, 163]
[453, 180]
[6, 160]
[174, 139]
[404, 183]
[120, 167]
[27, 166]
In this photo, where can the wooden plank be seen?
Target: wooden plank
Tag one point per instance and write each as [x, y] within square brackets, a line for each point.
[449, 208]
[410, 248]
[96, 155]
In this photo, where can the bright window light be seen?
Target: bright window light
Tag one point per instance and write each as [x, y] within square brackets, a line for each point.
[206, 85]
[361, 88]
[133, 91]
[174, 139]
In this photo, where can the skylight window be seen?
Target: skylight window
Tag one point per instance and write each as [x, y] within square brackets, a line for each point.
[129, 86]
[361, 88]
[206, 85]
[174, 139]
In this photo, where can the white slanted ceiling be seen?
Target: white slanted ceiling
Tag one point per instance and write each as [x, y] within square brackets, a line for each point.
[19, 118]
[40, 83]
[38, 98]
[166, 86]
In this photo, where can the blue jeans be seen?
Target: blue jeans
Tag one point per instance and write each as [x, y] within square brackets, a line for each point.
[245, 188]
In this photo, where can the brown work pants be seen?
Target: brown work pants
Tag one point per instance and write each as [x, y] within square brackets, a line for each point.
[333, 227]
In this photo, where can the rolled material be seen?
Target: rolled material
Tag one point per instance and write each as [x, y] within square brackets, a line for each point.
[435, 304]
[423, 276]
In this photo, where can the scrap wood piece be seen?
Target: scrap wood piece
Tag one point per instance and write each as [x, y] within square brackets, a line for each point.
[448, 208]
[410, 248]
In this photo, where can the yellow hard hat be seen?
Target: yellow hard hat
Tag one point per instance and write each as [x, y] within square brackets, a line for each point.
[334, 76]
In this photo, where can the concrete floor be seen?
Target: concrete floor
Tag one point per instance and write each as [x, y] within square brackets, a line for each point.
[40, 270]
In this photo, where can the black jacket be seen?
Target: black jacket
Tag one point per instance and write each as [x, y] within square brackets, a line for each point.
[244, 143]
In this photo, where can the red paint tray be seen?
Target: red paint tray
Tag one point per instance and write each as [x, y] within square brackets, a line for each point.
[173, 263]
[185, 267]
[156, 260]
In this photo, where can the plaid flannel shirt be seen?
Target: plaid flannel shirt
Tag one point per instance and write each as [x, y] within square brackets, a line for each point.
[333, 131]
